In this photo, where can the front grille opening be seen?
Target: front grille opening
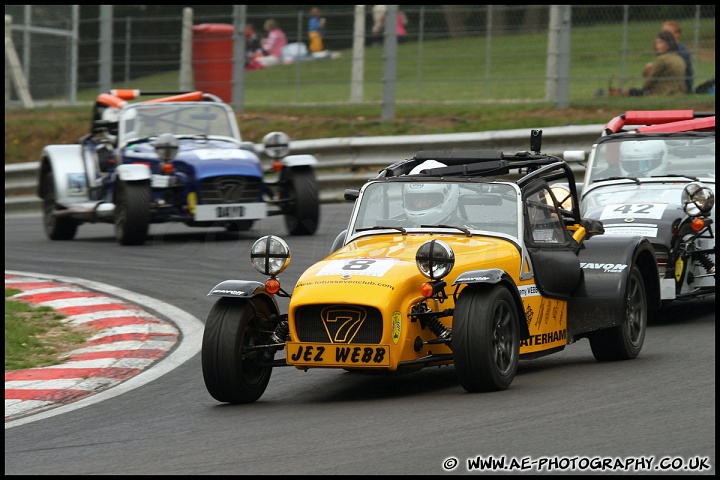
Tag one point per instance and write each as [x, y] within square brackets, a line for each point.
[339, 324]
[230, 189]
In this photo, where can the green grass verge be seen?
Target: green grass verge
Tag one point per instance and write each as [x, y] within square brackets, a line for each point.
[36, 336]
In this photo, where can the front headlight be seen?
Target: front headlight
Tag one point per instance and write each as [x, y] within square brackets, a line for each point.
[435, 259]
[270, 255]
[697, 199]
[277, 144]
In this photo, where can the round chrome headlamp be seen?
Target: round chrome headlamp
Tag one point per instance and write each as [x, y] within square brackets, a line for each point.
[270, 255]
[435, 259]
[277, 144]
[697, 199]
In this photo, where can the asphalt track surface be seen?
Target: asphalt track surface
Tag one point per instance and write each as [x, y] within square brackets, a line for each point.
[564, 406]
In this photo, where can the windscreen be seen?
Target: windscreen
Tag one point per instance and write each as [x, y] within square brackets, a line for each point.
[148, 120]
[489, 207]
[652, 156]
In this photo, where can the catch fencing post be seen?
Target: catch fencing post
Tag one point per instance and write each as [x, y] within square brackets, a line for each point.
[186, 77]
[389, 63]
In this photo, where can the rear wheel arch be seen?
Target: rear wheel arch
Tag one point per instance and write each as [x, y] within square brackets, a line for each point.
[625, 341]
[56, 228]
[43, 170]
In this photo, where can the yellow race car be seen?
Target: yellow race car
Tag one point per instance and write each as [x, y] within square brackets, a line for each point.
[475, 259]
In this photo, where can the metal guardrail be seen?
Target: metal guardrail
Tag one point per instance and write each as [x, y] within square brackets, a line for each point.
[350, 161]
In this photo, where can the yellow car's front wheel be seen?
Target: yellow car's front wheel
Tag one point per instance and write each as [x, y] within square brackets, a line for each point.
[234, 372]
[485, 339]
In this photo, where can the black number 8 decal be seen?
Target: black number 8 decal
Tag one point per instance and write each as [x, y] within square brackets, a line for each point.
[358, 264]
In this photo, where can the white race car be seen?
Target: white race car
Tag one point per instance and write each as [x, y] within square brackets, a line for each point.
[652, 173]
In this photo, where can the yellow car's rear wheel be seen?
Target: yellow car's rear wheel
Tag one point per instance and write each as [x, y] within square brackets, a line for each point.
[624, 342]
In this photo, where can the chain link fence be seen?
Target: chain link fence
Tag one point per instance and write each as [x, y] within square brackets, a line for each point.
[464, 54]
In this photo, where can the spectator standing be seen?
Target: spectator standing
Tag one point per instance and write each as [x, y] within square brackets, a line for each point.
[401, 26]
[674, 28]
[272, 44]
[316, 30]
[252, 48]
[666, 75]
[252, 40]
[378, 29]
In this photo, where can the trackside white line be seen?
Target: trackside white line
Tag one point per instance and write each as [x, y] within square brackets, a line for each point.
[91, 317]
[105, 363]
[128, 345]
[25, 279]
[79, 383]
[80, 302]
[15, 401]
[16, 407]
[146, 329]
[185, 348]
[41, 291]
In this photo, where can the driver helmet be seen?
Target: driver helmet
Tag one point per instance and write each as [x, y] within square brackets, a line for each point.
[642, 156]
[429, 203]
[111, 114]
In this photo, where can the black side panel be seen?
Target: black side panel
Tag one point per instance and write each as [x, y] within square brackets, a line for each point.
[556, 271]
[599, 300]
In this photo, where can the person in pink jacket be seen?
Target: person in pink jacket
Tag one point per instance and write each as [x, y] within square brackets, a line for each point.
[401, 24]
[272, 44]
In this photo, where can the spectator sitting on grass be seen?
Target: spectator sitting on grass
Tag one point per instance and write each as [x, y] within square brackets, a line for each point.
[272, 45]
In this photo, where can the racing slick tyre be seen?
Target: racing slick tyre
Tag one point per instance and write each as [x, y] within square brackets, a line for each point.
[485, 339]
[230, 370]
[625, 341]
[302, 211]
[56, 228]
[132, 212]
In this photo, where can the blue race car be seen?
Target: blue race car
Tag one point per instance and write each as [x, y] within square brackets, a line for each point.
[176, 158]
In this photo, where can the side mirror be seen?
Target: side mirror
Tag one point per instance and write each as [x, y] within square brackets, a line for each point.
[592, 227]
[351, 195]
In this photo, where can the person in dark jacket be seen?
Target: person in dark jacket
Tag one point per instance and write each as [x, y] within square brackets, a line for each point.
[674, 28]
[665, 75]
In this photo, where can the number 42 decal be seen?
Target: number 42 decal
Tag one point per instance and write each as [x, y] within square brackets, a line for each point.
[633, 210]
